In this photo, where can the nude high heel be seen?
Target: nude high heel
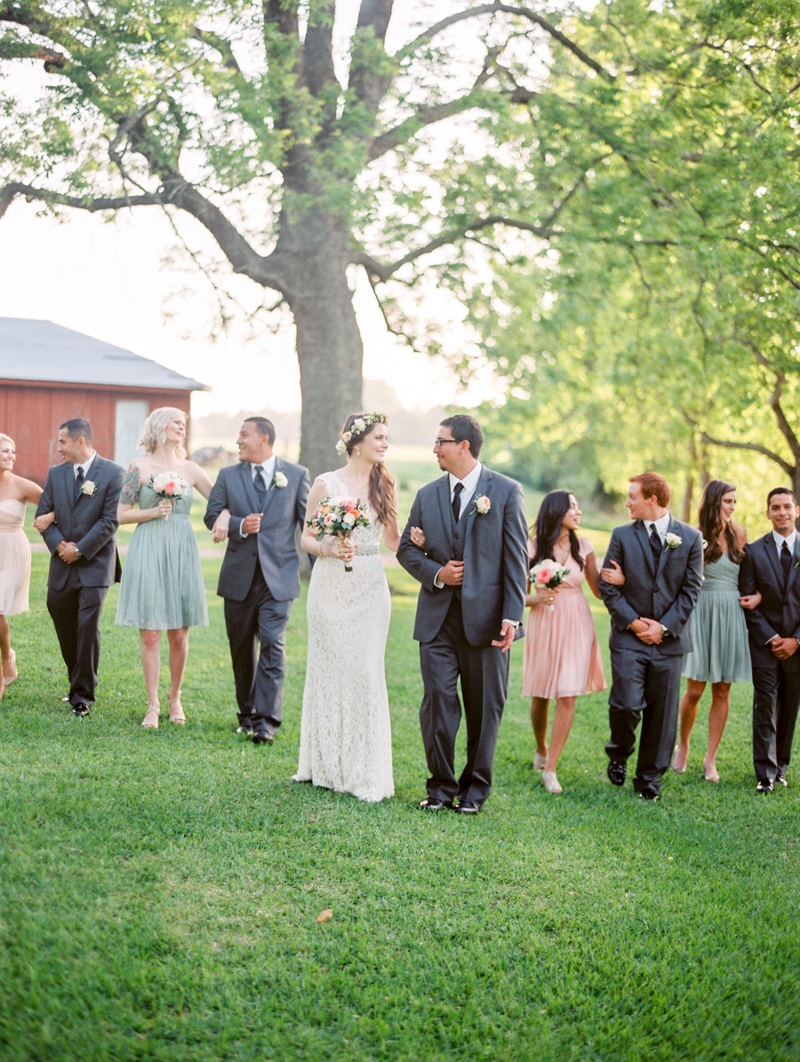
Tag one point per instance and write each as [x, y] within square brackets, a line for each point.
[176, 711]
[12, 664]
[150, 721]
[550, 782]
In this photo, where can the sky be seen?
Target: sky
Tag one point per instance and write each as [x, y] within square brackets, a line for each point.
[111, 280]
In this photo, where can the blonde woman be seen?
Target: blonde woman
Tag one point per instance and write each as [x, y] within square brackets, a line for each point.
[162, 585]
[15, 551]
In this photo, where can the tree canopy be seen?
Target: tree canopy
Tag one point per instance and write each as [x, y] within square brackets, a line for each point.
[303, 145]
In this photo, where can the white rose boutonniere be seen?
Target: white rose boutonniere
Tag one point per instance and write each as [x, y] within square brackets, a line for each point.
[672, 541]
[279, 481]
[88, 487]
[481, 505]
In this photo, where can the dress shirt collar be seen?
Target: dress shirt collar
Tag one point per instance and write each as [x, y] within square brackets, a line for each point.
[85, 466]
[661, 525]
[268, 466]
[469, 482]
[779, 541]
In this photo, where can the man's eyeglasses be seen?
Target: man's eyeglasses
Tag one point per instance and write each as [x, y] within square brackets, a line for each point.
[441, 442]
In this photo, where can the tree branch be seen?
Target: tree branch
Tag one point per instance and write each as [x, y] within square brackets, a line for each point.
[10, 192]
[385, 272]
[753, 447]
[506, 9]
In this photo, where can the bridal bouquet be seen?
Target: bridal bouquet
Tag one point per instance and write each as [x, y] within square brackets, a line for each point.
[168, 485]
[338, 518]
[548, 574]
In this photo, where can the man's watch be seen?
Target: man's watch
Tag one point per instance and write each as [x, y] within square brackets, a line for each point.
[78, 552]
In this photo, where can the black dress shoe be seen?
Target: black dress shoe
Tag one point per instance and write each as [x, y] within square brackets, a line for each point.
[466, 807]
[434, 804]
[263, 737]
[81, 710]
[781, 779]
[648, 793]
[765, 786]
[244, 730]
[616, 772]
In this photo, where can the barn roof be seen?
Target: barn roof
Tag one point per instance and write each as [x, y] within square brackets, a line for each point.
[41, 351]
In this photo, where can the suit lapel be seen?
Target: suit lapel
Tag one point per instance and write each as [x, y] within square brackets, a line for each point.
[793, 569]
[271, 488]
[249, 489]
[768, 543]
[644, 541]
[662, 560]
[443, 492]
[481, 488]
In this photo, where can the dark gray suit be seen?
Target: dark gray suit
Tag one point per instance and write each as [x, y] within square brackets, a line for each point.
[776, 683]
[76, 592]
[646, 678]
[456, 625]
[259, 579]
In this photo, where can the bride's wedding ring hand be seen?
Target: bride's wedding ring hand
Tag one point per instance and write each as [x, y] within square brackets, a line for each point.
[418, 537]
[345, 550]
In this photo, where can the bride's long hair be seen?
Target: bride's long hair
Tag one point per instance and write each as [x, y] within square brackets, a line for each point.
[381, 480]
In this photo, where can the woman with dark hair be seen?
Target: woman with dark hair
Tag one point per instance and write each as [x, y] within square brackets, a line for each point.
[720, 653]
[562, 655]
[345, 733]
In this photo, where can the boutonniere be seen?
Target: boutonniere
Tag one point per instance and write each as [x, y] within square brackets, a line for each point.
[797, 562]
[279, 480]
[480, 505]
[88, 487]
[672, 541]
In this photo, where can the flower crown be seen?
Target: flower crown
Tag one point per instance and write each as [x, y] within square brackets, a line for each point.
[358, 428]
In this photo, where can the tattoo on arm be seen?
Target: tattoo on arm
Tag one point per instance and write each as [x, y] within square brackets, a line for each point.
[130, 486]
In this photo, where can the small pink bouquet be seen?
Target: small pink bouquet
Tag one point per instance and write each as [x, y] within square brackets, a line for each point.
[338, 519]
[548, 574]
[168, 485]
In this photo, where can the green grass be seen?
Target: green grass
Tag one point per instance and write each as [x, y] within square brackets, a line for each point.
[160, 891]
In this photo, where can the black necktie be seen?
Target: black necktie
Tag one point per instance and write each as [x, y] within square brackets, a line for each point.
[79, 478]
[655, 545]
[261, 486]
[457, 501]
[786, 562]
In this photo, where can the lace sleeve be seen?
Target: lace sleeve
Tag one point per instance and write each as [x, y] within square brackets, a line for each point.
[130, 486]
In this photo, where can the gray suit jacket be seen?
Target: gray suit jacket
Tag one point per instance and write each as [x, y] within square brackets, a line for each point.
[667, 594]
[90, 522]
[779, 611]
[495, 558]
[274, 546]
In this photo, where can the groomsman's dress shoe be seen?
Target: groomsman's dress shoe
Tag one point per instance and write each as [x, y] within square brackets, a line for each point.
[616, 772]
[781, 779]
[263, 737]
[765, 786]
[466, 807]
[434, 804]
[648, 793]
[244, 729]
[81, 710]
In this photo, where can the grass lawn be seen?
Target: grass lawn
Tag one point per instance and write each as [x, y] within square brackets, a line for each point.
[161, 890]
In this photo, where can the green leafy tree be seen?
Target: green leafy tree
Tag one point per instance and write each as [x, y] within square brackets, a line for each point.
[660, 319]
[302, 155]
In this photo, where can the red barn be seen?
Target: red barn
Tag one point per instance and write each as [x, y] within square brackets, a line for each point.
[49, 374]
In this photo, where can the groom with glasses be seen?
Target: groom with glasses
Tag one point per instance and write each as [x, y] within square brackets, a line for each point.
[472, 570]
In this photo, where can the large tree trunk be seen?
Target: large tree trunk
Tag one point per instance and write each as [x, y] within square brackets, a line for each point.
[329, 347]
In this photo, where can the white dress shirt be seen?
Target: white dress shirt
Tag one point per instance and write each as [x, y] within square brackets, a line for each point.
[661, 525]
[779, 541]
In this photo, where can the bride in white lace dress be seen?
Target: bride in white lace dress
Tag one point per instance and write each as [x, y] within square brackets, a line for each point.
[345, 733]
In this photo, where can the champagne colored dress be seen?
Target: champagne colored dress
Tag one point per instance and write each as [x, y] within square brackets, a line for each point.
[345, 730]
[15, 559]
[562, 654]
[162, 586]
[720, 650]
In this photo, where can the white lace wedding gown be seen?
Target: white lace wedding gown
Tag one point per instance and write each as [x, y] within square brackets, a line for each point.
[345, 732]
